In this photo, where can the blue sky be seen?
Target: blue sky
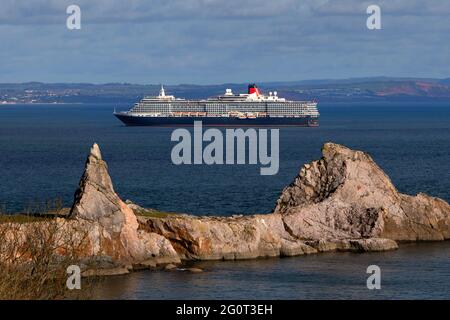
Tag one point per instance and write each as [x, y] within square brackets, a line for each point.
[210, 41]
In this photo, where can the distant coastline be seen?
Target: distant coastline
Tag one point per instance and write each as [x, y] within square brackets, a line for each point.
[343, 90]
[37, 103]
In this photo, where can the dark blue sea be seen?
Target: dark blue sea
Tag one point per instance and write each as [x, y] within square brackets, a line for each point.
[43, 149]
[415, 271]
[42, 154]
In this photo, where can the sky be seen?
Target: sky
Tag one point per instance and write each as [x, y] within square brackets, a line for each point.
[212, 41]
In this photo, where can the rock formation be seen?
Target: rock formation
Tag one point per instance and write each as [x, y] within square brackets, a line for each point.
[345, 195]
[343, 201]
[113, 230]
[230, 238]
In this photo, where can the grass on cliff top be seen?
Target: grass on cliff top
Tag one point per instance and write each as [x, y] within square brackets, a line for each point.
[34, 212]
[25, 218]
[21, 218]
[151, 213]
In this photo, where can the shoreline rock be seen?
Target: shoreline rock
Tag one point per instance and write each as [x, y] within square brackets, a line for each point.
[227, 238]
[342, 202]
[111, 225]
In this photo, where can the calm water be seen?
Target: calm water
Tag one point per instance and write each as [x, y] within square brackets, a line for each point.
[416, 271]
[42, 154]
[43, 149]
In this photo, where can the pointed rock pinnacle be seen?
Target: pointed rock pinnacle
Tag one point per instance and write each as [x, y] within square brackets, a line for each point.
[95, 152]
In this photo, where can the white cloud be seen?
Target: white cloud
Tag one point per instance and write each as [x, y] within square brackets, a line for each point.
[204, 41]
[138, 11]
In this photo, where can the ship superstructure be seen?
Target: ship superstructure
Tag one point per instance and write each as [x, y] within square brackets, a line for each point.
[251, 108]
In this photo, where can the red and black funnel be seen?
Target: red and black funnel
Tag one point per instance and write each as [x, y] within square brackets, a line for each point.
[252, 88]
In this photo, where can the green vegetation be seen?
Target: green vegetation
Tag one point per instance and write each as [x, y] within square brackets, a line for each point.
[151, 213]
[35, 212]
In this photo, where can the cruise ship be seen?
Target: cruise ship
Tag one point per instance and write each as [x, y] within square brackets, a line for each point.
[245, 109]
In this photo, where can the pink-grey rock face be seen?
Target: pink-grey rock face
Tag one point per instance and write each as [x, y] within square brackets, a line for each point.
[112, 226]
[345, 195]
[342, 202]
[230, 238]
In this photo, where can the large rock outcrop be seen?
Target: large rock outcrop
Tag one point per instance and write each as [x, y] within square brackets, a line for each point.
[343, 201]
[346, 195]
[112, 228]
[227, 238]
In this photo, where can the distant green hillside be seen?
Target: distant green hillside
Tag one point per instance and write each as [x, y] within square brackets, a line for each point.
[355, 89]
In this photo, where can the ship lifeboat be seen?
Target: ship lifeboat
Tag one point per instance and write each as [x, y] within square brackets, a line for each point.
[313, 123]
